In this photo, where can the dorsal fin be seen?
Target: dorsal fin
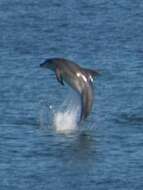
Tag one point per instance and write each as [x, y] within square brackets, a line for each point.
[91, 73]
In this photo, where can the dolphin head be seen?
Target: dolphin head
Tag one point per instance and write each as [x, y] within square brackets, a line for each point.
[49, 64]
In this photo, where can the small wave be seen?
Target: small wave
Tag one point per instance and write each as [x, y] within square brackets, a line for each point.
[133, 119]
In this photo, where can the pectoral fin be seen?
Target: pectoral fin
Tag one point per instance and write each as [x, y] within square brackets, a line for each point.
[59, 76]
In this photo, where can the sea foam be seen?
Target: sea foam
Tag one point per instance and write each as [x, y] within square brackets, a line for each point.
[66, 118]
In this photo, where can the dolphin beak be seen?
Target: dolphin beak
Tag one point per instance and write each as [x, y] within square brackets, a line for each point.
[44, 64]
[47, 64]
[41, 65]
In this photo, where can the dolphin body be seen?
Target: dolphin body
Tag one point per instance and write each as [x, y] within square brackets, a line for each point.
[80, 79]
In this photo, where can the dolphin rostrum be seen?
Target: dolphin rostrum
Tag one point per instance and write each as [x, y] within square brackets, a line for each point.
[80, 79]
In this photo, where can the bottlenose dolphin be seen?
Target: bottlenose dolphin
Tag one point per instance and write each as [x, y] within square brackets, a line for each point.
[80, 79]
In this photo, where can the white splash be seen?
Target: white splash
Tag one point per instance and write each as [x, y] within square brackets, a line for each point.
[66, 120]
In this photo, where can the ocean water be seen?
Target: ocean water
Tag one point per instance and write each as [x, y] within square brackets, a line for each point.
[106, 152]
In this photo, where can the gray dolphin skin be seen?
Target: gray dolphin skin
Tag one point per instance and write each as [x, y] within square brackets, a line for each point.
[80, 79]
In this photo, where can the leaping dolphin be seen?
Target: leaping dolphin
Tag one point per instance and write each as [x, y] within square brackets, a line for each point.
[80, 79]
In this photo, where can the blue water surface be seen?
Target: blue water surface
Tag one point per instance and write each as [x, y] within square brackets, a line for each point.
[102, 34]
